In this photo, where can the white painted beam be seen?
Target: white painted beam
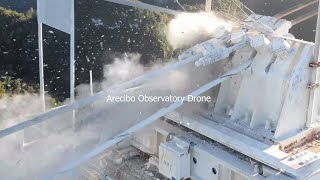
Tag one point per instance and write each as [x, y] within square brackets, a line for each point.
[239, 142]
[208, 150]
[91, 83]
[98, 150]
[295, 9]
[81, 103]
[53, 113]
[208, 7]
[315, 78]
[304, 17]
[72, 59]
[145, 6]
[41, 70]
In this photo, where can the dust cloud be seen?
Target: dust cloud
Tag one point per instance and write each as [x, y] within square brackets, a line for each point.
[42, 149]
[191, 28]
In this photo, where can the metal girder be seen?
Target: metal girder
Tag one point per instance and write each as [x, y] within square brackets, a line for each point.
[53, 113]
[90, 100]
[209, 156]
[315, 76]
[145, 6]
[58, 14]
[295, 9]
[222, 157]
[208, 7]
[239, 142]
[304, 17]
[122, 136]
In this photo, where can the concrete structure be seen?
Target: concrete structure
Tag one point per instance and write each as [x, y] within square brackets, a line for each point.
[255, 114]
[260, 114]
[262, 124]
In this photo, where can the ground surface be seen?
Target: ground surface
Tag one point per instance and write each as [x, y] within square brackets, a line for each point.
[125, 164]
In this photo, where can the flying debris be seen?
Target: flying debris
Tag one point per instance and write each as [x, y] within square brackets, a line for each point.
[97, 22]
[242, 104]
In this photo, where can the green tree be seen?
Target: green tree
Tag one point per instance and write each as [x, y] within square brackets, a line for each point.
[10, 86]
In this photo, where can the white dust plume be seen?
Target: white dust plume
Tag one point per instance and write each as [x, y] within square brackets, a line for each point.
[190, 28]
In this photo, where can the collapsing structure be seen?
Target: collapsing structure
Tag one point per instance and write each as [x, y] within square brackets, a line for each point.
[262, 124]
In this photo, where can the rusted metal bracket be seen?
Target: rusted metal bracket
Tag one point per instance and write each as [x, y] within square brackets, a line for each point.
[313, 86]
[314, 64]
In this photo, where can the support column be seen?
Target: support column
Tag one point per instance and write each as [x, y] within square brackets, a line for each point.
[41, 71]
[72, 56]
[315, 78]
[208, 5]
[72, 59]
[91, 83]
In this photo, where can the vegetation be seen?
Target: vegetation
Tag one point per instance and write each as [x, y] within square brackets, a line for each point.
[15, 52]
[10, 86]
[9, 17]
[103, 30]
[123, 29]
[233, 8]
